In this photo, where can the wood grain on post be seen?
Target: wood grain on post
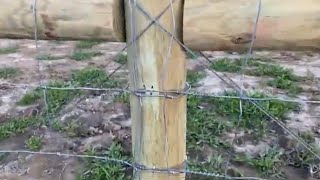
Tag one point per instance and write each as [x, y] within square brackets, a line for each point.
[158, 124]
[65, 20]
[228, 24]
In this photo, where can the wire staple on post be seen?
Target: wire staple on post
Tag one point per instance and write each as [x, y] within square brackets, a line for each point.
[171, 94]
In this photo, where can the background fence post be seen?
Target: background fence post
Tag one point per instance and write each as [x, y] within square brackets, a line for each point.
[158, 123]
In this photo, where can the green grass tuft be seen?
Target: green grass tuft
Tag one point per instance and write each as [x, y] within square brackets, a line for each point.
[226, 65]
[8, 72]
[122, 59]
[93, 77]
[15, 126]
[82, 56]
[9, 50]
[30, 98]
[106, 170]
[87, 44]
[48, 57]
[252, 117]
[34, 143]
[194, 77]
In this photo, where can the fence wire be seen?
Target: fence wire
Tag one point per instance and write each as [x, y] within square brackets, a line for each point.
[242, 94]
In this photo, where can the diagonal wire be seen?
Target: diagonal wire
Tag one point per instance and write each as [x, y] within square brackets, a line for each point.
[236, 87]
[138, 36]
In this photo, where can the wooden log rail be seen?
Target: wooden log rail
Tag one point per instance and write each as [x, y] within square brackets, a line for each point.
[207, 25]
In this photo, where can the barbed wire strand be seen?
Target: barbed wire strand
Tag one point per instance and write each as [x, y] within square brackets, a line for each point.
[236, 87]
[125, 90]
[127, 163]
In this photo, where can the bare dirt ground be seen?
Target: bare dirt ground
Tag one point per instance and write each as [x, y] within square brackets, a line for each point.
[94, 120]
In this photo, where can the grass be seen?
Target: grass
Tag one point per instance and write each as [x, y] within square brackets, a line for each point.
[123, 97]
[193, 55]
[8, 72]
[267, 163]
[283, 78]
[194, 77]
[252, 117]
[93, 77]
[48, 57]
[204, 125]
[16, 126]
[122, 59]
[82, 56]
[30, 98]
[9, 50]
[87, 44]
[106, 170]
[34, 143]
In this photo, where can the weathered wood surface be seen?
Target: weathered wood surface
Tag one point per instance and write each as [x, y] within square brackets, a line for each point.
[62, 19]
[158, 124]
[228, 24]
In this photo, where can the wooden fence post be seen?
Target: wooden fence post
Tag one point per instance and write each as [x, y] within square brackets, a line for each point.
[159, 124]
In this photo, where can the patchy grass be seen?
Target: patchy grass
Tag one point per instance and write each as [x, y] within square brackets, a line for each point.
[267, 163]
[82, 56]
[34, 143]
[252, 117]
[194, 77]
[123, 97]
[56, 98]
[16, 126]
[9, 50]
[226, 65]
[8, 72]
[204, 125]
[283, 78]
[93, 77]
[106, 170]
[48, 57]
[122, 59]
[87, 44]
[30, 98]
[214, 164]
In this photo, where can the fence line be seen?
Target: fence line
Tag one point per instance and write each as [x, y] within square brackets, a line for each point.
[238, 88]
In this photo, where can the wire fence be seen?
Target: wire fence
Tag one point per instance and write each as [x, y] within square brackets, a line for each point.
[241, 96]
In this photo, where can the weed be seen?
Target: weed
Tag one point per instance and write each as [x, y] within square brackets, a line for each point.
[8, 72]
[57, 125]
[123, 97]
[93, 77]
[252, 117]
[48, 57]
[8, 50]
[194, 77]
[122, 59]
[267, 163]
[301, 157]
[106, 170]
[214, 163]
[72, 129]
[282, 83]
[283, 78]
[81, 56]
[56, 98]
[34, 143]
[87, 44]
[30, 98]
[204, 126]
[226, 65]
[15, 126]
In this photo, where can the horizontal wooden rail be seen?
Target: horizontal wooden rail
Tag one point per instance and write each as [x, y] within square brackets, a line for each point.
[207, 25]
[63, 19]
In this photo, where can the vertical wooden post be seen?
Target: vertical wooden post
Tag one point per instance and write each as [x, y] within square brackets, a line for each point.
[159, 124]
